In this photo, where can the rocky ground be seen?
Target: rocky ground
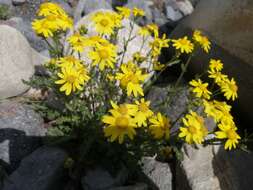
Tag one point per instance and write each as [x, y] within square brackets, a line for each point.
[25, 163]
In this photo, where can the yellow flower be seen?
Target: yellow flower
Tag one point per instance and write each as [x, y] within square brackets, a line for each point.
[124, 109]
[138, 57]
[68, 61]
[48, 8]
[71, 80]
[103, 22]
[228, 132]
[229, 88]
[160, 126]
[158, 44]
[124, 12]
[195, 130]
[211, 110]
[144, 31]
[153, 29]
[77, 42]
[202, 40]
[183, 44]
[130, 80]
[120, 125]
[104, 55]
[138, 12]
[215, 65]
[43, 27]
[200, 89]
[217, 76]
[143, 112]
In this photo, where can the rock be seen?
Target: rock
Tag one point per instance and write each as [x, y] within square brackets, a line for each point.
[21, 132]
[133, 46]
[158, 173]
[178, 106]
[212, 168]
[229, 27]
[68, 9]
[100, 179]
[139, 186]
[175, 9]
[88, 6]
[18, 2]
[5, 2]
[173, 14]
[41, 170]
[25, 27]
[17, 62]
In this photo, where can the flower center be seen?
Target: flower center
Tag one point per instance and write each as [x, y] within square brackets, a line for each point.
[192, 129]
[71, 78]
[123, 109]
[143, 107]
[231, 134]
[233, 87]
[103, 54]
[134, 79]
[104, 22]
[122, 122]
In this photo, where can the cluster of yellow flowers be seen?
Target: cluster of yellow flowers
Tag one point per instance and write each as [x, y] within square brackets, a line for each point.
[125, 118]
[219, 111]
[105, 63]
[54, 20]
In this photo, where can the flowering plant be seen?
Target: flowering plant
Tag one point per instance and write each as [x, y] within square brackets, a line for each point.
[100, 89]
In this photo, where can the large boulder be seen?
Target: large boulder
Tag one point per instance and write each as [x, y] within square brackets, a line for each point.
[213, 168]
[16, 63]
[229, 25]
[21, 132]
[42, 170]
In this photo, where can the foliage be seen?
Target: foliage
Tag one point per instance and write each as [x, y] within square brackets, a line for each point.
[4, 12]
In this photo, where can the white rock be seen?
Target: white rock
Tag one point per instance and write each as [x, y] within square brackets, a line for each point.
[184, 6]
[16, 63]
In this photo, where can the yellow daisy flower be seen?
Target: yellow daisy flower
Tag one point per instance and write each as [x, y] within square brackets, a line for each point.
[229, 88]
[143, 112]
[215, 65]
[158, 44]
[153, 29]
[77, 42]
[131, 80]
[228, 132]
[211, 110]
[124, 12]
[138, 12]
[183, 45]
[119, 125]
[217, 76]
[194, 131]
[160, 126]
[103, 23]
[48, 8]
[43, 28]
[200, 89]
[144, 31]
[202, 40]
[104, 55]
[124, 109]
[68, 61]
[71, 80]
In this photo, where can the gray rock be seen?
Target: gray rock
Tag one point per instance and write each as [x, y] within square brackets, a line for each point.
[212, 168]
[173, 14]
[138, 186]
[87, 6]
[42, 170]
[229, 27]
[16, 62]
[158, 173]
[21, 130]
[100, 179]
[25, 27]
[18, 2]
[5, 2]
